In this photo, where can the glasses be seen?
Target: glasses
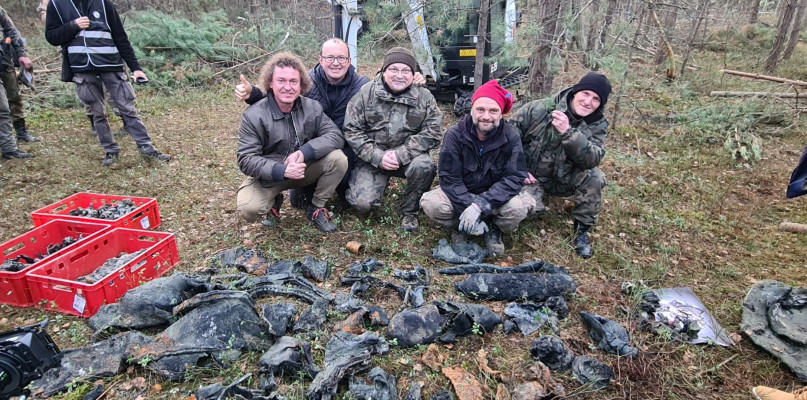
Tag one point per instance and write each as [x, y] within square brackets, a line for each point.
[396, 71]
[339, 59]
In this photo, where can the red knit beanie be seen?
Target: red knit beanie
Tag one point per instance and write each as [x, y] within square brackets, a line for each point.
[493, 91]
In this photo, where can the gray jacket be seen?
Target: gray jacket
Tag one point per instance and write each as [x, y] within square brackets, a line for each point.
[267, 136]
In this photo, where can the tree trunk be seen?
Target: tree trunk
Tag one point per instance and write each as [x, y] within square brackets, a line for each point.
[665, 42]
[482, 46]
[609, 17]
[785, 20]
[668, 21]
[798, 22]
[753, 12]
[702, 11]
[591, 40]
[618, 101]
[540, 73]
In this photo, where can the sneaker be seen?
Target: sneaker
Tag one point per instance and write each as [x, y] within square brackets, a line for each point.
[459, 237]
[493, 240]
[300, 198]
[16, 154]
[272, 219]
[153, 153]
[582, 245]
[110, 159]
[766, 393]
[321, 218]
[410, 222]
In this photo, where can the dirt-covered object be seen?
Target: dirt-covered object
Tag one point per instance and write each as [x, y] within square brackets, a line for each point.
[100, 360]
[284, 279]
[414, 392]
[149, 305]
[442, 395]
[313, 318]
[512, 287]
[251, 261]
[531, 267]
[589, 371]
[459, 253]
[357, 270]
[95, 393]
[552, 352]
[355, 323]
[345, 354]
[414, 297]
[669, 320]
[418, 326]
[315, 269]
[550, 387]
[531, 317]
[109, 266]
[278, 317]
[463, 319]
[610, 336]
[347, 303]
[214, 326]
[418, 274]
[218, 391]
[110, 211]
[775, 318]
[287, 357]
[14, 265]
[383, 387]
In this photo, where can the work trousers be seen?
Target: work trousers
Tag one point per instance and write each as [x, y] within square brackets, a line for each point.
[587, 195]
[254, 200]
[437, 206]
[12, 87]
[8, 143]
[90, 87]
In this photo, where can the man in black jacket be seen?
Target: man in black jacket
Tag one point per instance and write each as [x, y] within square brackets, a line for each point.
[285, 141]
[94, 48]
[482, 170]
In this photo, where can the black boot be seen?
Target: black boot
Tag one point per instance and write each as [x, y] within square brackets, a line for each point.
[582, 246]
[92, 125]
[22, 132]
[273, 218]
[300, 198]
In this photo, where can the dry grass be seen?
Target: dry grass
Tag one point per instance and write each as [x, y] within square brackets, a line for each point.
[679, 212]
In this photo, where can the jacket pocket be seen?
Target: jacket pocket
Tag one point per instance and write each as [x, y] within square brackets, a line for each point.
[414, 119]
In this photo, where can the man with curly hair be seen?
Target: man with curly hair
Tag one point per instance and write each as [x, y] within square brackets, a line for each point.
[286, 141]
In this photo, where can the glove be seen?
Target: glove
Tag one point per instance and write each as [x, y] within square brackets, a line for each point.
[469, 218]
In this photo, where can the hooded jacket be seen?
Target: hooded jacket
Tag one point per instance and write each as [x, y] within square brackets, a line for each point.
[549, 157]
[488, 175]
[267, 136]
[333, 97]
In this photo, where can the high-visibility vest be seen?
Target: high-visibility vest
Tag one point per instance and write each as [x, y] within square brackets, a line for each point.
[93, 48]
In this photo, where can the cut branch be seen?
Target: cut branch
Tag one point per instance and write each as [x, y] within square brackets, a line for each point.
[765, 77]
[719, 93]
[663, 39]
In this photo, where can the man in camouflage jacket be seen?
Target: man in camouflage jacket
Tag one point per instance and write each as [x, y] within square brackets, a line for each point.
[8, 144]
[564, 142]
[391, 125]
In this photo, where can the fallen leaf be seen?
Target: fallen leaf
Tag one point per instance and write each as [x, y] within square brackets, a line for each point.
[465, 385]
[482, 359]
[157, 387]
[432, 357]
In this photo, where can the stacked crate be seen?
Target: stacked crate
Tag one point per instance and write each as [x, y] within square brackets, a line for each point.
[50, 283]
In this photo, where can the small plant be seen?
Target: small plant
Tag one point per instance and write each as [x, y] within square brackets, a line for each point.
[477, 329]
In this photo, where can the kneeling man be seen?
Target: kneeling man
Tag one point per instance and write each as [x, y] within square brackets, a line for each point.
[482, 171]
[285, 141]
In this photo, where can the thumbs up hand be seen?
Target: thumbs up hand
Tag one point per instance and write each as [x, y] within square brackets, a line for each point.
[243, 90]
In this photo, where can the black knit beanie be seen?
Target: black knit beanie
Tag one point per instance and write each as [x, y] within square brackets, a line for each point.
[399, 55]
[595, 82]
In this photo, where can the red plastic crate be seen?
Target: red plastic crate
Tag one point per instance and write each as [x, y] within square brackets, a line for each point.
[145, 216]
[53, 285]
[14, 285]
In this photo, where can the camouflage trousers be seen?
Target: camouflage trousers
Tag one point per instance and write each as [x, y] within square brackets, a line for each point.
[8, 143]
[439, 209]
[254, 200]
[587, 195]
[368, 183]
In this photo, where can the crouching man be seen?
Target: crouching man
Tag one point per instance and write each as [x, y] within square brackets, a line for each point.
[564, 142]
[481, 171]
[285, 141]
[391, 125]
